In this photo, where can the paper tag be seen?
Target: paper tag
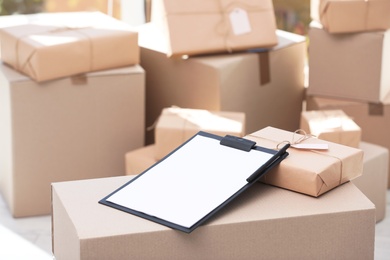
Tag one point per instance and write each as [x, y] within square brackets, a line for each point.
[311, 146]
[240, 21]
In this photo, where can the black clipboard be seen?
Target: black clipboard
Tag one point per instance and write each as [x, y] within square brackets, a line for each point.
[196, 180]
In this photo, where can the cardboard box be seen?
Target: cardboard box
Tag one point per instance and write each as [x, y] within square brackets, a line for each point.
[267, 86]
[67, 129]
[102, 43]
[110, 7]
[177, 125]
[345, 16]
[140, 159]
[373, 182]
[309, 171]
[337, 71]
[331, 125]
[264, 219]
[203, 26]
[373, 118]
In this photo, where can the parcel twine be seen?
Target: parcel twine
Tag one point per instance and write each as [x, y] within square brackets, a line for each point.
[222, 27]
[22, 67]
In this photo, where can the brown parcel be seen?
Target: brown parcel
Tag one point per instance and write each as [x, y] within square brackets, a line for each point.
[261, 221]
[331, 125]
[373, 182]
[202, 26]
[373, 118]
[67, 129]
[46, 52]
[268, 87]
[353, 66]
[343, 16]
[176, 125]
[312, 172]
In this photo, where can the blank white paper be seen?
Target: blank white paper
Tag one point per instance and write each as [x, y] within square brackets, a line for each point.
[191, 182]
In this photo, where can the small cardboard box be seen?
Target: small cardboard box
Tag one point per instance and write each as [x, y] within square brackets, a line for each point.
[373, 182]
[331, 125]
[267, 86]
[177, 125]
[373, 118]
[66, 129]
[46, 52]
[337, 71]
[258, 224]
[309, 171]
[140, 159]
[203, 26]
[345, 16]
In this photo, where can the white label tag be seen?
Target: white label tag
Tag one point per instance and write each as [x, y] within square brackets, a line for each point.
[240, 21]
[311, 146]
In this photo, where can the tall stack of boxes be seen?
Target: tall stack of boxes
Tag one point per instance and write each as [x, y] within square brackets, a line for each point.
[262, 76]
[349, 56]
[72, 97]
[202, 63]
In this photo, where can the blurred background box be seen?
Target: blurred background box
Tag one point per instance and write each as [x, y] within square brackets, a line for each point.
[196, 27]
[67, 129]
[176, 125]
[373, 118]
[268, 86]
[341, 16]
[352, 66]
[140, 159]
[331, 125]
[373, 182]
[80, 41]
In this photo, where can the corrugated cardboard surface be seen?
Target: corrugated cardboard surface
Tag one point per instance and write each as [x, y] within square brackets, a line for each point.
[343, 16]
[352, 66]
[68, 129]
[373, 118]
[227, 82]
[373, 182]
[202, 26]
[257, 225]
[309, 171]
[331, 125]
[177, 125]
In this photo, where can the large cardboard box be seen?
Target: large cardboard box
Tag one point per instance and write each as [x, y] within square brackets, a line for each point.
[267, 86]
[308, 170]
[345, 16]
[202, 26]
[373, 182]
[373, 118]
[331, 125]
[177, 125]
[98, 42]
[352, 66]
[265, 222]
[67, 129]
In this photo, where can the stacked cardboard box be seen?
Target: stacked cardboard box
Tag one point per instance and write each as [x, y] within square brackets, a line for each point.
[349, 56]
[266, 85]
[63, 126]
[175, 126]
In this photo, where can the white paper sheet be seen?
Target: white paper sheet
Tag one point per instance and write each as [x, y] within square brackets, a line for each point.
[192, 182]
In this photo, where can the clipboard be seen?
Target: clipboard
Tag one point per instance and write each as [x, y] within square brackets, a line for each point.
[194, 181]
